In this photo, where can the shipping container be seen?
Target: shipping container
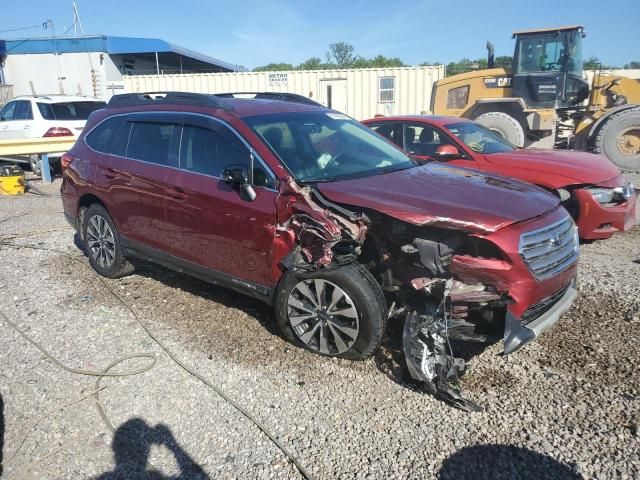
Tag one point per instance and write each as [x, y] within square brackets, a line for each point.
[360, 93]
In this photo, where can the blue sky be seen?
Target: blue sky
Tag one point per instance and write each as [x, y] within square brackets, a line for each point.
[254, 32]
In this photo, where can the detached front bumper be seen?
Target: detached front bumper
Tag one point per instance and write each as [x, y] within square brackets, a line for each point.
[596, 221]
[520, 331]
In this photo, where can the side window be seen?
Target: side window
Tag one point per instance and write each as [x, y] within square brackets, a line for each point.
[150, 142]
[423, 140]
[110, 137]
[8, 112]
[387, 130]
[209, 151]
[23, 111]
[200, 151]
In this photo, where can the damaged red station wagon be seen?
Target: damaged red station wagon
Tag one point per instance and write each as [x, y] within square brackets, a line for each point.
[310, 211]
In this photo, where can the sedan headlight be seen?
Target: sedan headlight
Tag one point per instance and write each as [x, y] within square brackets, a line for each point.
[609, 195]
[602, 195]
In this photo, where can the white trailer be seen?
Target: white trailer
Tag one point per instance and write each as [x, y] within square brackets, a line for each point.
[361, 93]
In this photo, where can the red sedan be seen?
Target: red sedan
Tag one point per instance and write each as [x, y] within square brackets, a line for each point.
[591, 188]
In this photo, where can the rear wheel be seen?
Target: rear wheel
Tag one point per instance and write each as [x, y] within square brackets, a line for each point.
[102, 244]
[504, 125]
[337, 312]
[619, 139]
[34, 163]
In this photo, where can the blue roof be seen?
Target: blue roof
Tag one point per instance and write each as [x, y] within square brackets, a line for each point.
[108, 44]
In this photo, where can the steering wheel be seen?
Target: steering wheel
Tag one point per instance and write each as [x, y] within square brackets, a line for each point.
[476, 146]
[334, 160]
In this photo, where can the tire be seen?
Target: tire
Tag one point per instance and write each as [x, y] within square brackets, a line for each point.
[363, 297]
[504, 125]
[102, 244]
[618, 139]
[34, 162]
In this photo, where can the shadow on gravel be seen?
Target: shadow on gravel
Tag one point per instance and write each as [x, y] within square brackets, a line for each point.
[1, 432]
[494, 462]
[224, 296]
[131, 445]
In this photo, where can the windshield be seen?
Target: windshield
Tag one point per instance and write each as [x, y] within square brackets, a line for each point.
[478, 138]
[550, 52]
[323, 146]
[69, 110]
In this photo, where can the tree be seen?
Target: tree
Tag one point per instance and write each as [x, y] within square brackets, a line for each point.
[341, 54]
[313, 63]
[634, 64]
[272, 67]
[592, 63]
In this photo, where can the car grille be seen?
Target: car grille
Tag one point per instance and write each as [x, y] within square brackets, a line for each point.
[551, 249]
[543, 306]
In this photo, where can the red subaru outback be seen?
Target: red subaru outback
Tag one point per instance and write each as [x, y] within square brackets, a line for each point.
[312, 212]
[599, 198]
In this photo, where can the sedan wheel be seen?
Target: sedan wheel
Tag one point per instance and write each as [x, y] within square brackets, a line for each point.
[323, 316]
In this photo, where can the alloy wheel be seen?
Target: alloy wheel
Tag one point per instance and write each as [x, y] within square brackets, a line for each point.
[101, 241]
[323, 316]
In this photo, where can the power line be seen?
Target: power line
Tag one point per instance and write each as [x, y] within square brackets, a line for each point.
[19, 29]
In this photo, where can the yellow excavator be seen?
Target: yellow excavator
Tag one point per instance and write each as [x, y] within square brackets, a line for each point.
[546, 101]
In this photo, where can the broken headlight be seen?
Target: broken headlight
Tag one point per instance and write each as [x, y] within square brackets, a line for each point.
[602, 195]
[611, 195]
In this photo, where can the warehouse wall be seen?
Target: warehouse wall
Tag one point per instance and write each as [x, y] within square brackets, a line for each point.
[42, 70]
[412, 91]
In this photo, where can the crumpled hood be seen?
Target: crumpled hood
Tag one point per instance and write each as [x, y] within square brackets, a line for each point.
[577, 167]
[441, 195]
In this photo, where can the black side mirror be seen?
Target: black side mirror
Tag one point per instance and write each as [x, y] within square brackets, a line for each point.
[238, 177]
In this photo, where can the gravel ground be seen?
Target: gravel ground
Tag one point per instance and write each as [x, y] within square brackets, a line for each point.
[564, 407]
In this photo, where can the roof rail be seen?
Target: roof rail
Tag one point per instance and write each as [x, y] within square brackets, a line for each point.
[148, 98]
[284, 96]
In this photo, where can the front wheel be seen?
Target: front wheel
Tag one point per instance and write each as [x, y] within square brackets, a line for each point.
[337, 312]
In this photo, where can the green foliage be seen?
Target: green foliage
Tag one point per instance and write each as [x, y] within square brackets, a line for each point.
[272, 67]
[634, 64]
[340, 55]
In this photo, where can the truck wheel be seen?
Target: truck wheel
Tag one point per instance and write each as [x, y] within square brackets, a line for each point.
[618, 139]
[503, 125]
[102, 244]
[337, 312]
[34, 163]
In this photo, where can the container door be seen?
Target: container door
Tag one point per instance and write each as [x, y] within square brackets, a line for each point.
[333, 94]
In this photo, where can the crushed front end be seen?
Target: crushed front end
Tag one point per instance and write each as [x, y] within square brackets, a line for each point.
[448, 281]
[450, 285]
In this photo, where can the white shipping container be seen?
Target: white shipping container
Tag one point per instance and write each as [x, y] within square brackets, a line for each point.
[360, 93]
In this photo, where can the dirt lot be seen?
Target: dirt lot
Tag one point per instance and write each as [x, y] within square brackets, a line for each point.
[566, 406]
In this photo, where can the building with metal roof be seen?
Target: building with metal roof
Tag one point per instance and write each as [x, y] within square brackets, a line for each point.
[94, 65]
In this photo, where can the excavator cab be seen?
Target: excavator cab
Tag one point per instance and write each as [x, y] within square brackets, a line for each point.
[547, 67]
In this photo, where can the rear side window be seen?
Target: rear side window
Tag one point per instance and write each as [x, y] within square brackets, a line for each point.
[150, 142]
[110, 137]
[68, 110]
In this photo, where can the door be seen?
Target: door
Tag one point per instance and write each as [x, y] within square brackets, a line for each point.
[16, 119]
[210, 225]
[136, 184]
[421, 140]
[333, 94]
